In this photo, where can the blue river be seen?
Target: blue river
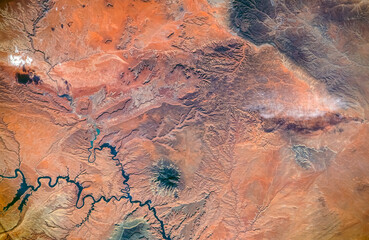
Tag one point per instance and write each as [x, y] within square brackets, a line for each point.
[24, 187]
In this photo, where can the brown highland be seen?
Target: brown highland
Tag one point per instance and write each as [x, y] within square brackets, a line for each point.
[184, 119]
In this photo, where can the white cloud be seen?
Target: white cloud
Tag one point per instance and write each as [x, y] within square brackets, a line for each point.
[282, 104]
[19, 60]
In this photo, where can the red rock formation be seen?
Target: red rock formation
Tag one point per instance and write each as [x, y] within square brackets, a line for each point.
[184, 119]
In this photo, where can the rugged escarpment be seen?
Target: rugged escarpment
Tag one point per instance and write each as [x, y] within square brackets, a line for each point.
[184, 120]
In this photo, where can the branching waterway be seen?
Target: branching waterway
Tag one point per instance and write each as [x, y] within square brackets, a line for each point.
[24, 187]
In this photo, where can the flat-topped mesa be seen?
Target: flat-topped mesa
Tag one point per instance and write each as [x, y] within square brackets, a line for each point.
[306, 125]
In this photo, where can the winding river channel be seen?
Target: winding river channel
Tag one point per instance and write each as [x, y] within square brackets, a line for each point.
[24, 187]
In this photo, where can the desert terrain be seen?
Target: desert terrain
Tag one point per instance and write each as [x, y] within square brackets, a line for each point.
[184, 119]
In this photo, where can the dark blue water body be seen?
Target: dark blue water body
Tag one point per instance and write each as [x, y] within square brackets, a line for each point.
[68, 97]
[114, 152]
[92, 147]
[24, 187]
[24, 202]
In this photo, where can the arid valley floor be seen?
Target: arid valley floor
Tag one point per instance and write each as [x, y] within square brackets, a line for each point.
[184, 119]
